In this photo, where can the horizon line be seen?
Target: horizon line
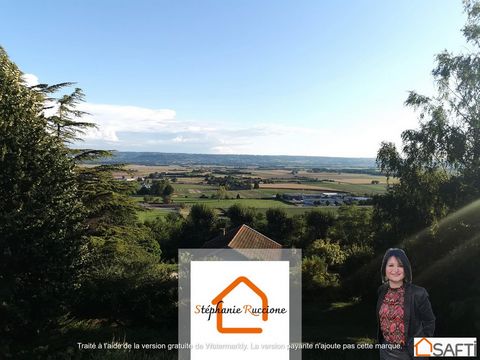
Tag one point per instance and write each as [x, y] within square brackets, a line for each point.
[210, 154]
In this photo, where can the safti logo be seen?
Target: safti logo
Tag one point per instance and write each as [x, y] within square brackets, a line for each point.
[445, 347]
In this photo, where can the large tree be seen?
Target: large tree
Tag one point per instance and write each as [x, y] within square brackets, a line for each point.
[433, 209]
[438, 166]
[40, 214]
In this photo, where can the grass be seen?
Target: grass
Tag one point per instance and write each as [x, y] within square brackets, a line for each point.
[303, 210]
[259, 199]
[339, 321]
[226, 203]
[349, 322]
[151, 214]
[192, 188]
[260, 205]
[196, 190]
[356, 189]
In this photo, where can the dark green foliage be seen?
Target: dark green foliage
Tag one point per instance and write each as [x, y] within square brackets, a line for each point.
[317, 224]
[439, 170]
[329, 251]
[433, 210]
[40, 216]
[200, 226]
[122, 278]
[63, 123]
[167, 232]
[239, 215]
[133, 289]
[353, 274]
[161, 188]
[280, 227]
[221, 193]
[157, 187]
[105, 199]
[230, 182]
[353, 225]
[168, 191]
[315, 277]
[70, 238]
[143, 190]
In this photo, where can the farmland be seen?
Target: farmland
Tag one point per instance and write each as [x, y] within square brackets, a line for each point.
[196, 185]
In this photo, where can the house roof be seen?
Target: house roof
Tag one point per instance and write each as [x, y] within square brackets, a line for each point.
[244, 237]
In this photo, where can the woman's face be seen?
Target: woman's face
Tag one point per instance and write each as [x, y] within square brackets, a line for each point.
[394, 271]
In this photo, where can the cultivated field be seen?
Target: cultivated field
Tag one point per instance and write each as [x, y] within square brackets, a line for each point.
[294, 186]
[191, 187]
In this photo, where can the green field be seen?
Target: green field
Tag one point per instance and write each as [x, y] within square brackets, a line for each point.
[188, 194]
[194, 191]
[226, 203]
[223, 205]
[356, 189]
[151, 214]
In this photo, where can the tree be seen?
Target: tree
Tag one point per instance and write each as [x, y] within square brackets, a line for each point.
[239, 215]
[317, 223]
[353, 225]
[167, 192]
[315, 275]
[157, 187]
[432, 210]
[200, 226]
[280, 227]
[222, 192]
[162, 188]
[167, 231]
[40, 215]
[63, 121]
[439, 165]
[329, 251]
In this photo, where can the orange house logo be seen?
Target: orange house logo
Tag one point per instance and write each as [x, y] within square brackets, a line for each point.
[422, 346]
[218, 301]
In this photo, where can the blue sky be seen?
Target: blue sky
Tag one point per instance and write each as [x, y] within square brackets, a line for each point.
[310, 77]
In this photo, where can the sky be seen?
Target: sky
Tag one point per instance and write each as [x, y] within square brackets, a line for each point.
[270, 77]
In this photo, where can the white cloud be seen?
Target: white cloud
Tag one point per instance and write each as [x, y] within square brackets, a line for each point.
[142, 129]
[112, 119]
[136, 128]
[30, 79]
[101, 133]
[361, 138]
[224, 150]
[181, 139]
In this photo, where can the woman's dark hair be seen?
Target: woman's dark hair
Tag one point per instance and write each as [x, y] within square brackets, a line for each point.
[402, 258]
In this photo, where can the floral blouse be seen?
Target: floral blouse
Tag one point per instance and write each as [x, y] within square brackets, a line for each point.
[392, 316]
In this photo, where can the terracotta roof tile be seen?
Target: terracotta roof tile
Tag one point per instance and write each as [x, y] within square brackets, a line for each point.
[249, 242]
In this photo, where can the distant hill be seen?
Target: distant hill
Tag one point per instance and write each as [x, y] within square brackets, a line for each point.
[270, 161]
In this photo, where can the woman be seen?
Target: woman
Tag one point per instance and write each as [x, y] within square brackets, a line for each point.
[403, 309]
